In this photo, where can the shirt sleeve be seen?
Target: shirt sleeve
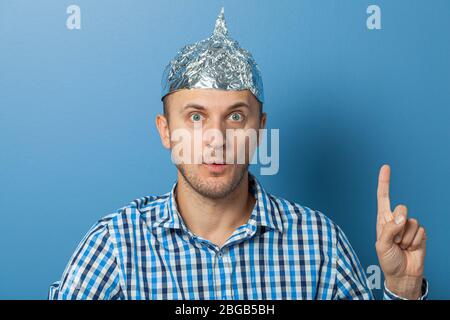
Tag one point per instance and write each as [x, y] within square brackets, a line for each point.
[388, 295]
[92, 272]
[351, 282]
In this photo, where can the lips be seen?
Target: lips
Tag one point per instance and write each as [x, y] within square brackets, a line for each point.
[215, 167]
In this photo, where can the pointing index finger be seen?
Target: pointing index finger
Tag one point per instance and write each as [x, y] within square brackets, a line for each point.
[384, 203]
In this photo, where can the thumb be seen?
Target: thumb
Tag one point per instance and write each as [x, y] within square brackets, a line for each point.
[391, 230]
[400, 211]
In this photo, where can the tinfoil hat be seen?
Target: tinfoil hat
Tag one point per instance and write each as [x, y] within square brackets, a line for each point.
[217, 62]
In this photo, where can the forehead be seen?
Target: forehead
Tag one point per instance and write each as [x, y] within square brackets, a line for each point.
[210, 98]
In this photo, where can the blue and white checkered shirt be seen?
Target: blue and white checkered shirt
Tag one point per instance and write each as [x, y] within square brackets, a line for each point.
[145, 251]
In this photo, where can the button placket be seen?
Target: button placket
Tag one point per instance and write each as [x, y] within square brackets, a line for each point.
[223, 274]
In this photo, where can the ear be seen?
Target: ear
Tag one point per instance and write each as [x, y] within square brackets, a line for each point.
[162, 124]
[262, 125]
[262, 122]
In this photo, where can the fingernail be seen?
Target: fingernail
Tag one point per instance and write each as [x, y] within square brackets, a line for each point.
[399, 219]
[397, 239]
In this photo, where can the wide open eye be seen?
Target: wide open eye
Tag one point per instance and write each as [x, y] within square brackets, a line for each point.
[236, 116]
[196, 117]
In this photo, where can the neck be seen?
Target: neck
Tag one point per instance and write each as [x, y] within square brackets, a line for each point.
[214, 219]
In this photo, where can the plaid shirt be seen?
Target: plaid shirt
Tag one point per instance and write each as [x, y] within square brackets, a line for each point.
[145, 251]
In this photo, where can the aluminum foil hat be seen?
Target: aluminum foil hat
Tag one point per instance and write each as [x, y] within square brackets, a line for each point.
[217, 62]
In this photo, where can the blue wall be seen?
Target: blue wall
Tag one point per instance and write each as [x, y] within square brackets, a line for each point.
[77, 110]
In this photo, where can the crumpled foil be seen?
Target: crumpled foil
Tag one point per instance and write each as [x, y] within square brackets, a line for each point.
[217, 62]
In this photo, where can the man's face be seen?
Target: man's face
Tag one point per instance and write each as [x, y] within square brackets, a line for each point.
[212, 166]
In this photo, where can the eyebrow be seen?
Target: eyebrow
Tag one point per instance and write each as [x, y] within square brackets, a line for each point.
[200, 107]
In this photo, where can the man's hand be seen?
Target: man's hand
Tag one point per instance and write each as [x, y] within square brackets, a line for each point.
[400, 244]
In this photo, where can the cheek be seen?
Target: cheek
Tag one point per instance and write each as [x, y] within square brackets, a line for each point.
[176, 122]
[186, 145]
[242, 144]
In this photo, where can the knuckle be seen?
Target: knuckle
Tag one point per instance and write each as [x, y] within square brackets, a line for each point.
[405, 244]
[378, 245]
[382, 193]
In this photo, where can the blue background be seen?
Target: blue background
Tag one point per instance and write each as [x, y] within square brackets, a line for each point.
[77, 115]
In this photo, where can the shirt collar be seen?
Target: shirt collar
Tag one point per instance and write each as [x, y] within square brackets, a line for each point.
[265, 213]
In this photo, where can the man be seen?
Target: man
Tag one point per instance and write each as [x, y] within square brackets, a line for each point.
[218, 234]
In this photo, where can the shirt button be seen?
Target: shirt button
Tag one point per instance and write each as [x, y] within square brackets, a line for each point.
[220, 255]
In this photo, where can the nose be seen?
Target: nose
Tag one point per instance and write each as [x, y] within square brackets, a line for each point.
[214, 135]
